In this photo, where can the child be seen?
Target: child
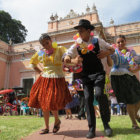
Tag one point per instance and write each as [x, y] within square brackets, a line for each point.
[73, 103]
[123, 81]
[50, 91]
[79, 88]
[68, 112]
[88, 52]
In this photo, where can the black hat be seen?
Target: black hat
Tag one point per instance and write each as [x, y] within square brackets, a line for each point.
[84, 23]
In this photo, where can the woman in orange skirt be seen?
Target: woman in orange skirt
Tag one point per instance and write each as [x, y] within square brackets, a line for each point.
[50, 91]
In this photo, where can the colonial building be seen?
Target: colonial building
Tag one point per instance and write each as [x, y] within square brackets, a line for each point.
[14, 59]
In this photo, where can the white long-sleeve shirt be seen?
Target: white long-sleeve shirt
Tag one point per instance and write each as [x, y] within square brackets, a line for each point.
[72, 51]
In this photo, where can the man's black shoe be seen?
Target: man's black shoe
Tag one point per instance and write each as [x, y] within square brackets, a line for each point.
[84, 117]
[90, 135]
[78, 117]
[108, 131]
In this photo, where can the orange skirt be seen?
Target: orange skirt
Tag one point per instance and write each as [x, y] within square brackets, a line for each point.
[49, 94]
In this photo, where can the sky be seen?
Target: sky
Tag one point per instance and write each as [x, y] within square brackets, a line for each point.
[35, 14]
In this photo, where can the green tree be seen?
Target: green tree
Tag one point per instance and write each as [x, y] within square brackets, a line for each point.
[11, 29]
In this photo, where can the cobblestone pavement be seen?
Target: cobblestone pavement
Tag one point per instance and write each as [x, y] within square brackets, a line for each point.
[72, 129]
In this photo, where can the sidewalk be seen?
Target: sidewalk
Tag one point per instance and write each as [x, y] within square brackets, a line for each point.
[70, 130]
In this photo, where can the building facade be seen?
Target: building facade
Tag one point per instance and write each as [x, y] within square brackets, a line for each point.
[14, 59]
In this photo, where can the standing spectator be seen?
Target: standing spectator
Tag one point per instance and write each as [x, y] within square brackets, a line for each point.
[114, 103]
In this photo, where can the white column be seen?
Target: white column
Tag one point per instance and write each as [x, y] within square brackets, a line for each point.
[7, 75]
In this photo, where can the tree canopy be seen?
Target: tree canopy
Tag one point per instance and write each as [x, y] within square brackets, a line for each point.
[11, 29]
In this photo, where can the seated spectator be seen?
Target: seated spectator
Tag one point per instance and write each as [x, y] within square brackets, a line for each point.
[17, 102]
[40, 112]
[123, 110]
[1, 109]
[1, 105]
[24, 107]
[11, 97]
[6, 98]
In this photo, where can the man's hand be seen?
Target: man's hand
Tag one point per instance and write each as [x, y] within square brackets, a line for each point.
[111, 49]
[134, 69]
[102, 54]
[67, 59]
[77, 60]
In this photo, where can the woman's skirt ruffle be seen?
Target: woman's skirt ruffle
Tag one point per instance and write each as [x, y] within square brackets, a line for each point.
[49, 94]
[126, 88]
